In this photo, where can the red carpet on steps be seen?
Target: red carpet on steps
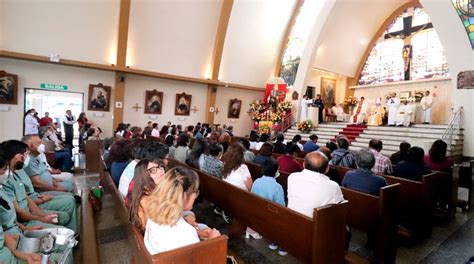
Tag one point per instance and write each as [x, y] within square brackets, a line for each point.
[352, 131]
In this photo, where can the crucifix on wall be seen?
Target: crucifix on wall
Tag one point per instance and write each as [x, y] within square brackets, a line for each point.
[136, 107]
[194, 109]
[406, 34]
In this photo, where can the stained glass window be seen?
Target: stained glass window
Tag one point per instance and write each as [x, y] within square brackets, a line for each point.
[409, 49]
[465, 10]
[296, 41]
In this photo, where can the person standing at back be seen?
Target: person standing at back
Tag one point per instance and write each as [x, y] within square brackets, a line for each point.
[46, 120]
[31, 123]
[68, 123]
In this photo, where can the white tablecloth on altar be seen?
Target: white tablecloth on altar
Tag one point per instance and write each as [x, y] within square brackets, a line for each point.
[313, 115]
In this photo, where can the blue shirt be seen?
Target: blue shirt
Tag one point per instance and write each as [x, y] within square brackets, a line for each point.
[260, 159]
[117, 169]
[310, 146]
[268, 188]
[363, 181]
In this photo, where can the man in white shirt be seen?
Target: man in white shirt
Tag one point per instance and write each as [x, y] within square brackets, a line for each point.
[305, 102]
[310, 188]
[426, 105]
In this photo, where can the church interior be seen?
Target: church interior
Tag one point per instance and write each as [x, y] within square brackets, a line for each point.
[236, 131]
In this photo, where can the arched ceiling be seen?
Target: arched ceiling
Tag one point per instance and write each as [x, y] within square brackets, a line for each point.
[347, 32]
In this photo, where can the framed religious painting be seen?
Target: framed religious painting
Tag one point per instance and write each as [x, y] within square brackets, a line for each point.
[234, 108]
[8, 88]
[183, 104]
[153, 102]
[99, 97]
[328, 91]
[466, 80]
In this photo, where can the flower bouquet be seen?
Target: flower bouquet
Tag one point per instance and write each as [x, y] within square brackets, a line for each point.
[305, 126]
[350, 101]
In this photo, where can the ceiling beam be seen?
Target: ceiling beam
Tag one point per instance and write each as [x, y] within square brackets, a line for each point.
[284, 42]
[216, 59]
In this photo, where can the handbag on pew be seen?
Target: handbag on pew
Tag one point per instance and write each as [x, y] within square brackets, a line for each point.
[95, 197]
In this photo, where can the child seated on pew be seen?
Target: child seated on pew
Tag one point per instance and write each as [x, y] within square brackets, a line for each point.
[148, 173]
[268, 188]
[166, 228]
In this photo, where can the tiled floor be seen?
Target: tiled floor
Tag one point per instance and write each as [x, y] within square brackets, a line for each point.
[452, 243]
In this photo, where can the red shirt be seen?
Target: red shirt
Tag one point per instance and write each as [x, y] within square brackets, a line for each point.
[444, 165]
[128, 197]
[289, 164]
[45, 121]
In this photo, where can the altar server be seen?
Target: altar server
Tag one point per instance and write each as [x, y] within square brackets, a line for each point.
[305, 102]
[392, 105]
[426, 105]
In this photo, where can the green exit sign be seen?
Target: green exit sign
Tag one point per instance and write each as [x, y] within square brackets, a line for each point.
[54, 86]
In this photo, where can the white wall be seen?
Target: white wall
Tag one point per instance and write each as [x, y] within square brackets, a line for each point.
[83, 30]
[175, 37]
[243, 124]
[253, 40]
[32, 74]
[315, 81]
[135, 87]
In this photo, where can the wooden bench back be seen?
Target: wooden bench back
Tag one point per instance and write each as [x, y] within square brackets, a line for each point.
[93, 158]
[320, 240]
[210, 251]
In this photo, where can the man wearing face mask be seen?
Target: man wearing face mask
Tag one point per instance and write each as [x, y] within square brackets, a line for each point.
[27, 211]
[38, 171]
[12, 228]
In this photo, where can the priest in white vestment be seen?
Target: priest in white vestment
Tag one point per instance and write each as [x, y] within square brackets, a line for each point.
[338, 111]
[305, 102]
[360, 114]
[426, 106]
[404, 114]
[393, 104]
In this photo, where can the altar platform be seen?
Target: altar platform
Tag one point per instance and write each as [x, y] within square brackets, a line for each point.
[417, 135]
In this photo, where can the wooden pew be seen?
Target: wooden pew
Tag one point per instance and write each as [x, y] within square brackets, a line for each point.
[88, 244]
[93, 158]
[378, 216]
[317, 240]
[210, 251]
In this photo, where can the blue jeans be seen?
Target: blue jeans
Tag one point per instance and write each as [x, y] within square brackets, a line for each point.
[64, 158]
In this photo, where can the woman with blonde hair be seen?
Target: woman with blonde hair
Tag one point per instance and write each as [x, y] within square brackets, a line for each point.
[166, 228]
[148, 173]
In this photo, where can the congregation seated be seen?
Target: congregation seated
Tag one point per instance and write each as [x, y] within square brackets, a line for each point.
[61, 154]
[297, 139]
[235, 171]
[106, 144]
[310, 188]
[253, 139]
[268, 188]
[413, 168]
[331, 146]
[49, 210]
[363, 178]
[382, 163]
[212, 164]
[401, 154]
[39, 173]
[279, 145]
[249, 156]
[197, 153]
[150, 150]
[170, 141]
[436, 158]
[311, 145]
[263, 139]
[166, 229]
[264, 153]
[148, 173]
[342, 156]
[287, 162]
[182, 150]
[120, 156]
[224, 140]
